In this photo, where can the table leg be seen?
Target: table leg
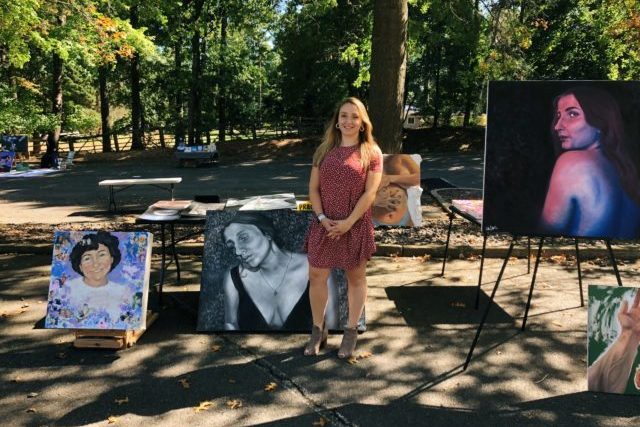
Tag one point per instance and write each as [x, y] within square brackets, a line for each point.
[174, 250]
[112, 199]
[163, 263]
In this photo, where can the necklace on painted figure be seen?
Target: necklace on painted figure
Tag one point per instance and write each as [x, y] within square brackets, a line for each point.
[275, 289]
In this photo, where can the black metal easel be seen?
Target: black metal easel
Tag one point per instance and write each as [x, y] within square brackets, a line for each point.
[533, 281]
[453, 211]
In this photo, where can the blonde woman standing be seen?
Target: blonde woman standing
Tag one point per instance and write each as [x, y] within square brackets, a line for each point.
[346, 173]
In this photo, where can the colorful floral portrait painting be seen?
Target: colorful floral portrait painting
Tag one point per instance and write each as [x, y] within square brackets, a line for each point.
[99, 280]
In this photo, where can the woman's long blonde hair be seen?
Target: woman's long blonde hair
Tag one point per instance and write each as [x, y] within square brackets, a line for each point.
[332, 136]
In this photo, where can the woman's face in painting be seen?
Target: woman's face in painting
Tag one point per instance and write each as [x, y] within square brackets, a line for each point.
[95, 265]
[349, 120]
[571, 125]
[249, 243]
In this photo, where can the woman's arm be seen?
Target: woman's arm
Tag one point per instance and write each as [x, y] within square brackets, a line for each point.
[611, 371]
[314, 196]
[402, 171]
[364, 202]
[231, 302]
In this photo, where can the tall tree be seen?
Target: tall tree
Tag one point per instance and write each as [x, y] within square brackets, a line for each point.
[388, 69]
[137, 130]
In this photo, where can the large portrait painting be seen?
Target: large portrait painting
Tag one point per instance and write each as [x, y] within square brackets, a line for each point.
[562, 159]
[614, 336]
[397, 201]
[99, 280]
[255, 275]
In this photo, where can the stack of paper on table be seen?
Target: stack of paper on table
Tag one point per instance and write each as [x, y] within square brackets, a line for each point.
[264, 202]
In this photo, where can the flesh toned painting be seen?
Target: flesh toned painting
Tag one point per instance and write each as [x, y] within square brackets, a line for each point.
[397, 201]
[562, 159]
[613, 337]
[255, 274]
[99, 280]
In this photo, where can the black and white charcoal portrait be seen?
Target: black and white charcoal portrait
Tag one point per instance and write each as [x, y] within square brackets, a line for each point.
[255, 276]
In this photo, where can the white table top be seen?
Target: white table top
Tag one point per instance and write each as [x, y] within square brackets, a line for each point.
[140, 181]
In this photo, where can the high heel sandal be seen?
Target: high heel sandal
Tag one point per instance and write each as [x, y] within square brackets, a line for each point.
[317, 340]
[348, 345]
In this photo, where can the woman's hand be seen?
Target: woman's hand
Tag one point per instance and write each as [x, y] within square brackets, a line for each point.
[338, 228]
[327, 223]
[387, 199]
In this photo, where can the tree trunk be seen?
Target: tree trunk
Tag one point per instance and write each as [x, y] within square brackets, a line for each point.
[177, 107]
[104, 109]
[473, 60]
[194, 95]
[222, 84]
[137, 131]
[388, 69]
[436, 96]
[56, 106]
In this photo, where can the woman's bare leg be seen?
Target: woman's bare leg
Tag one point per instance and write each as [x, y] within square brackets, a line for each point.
[318, 293]
[357, 292]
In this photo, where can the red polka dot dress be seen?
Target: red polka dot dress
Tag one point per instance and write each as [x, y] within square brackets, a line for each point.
[342, 182]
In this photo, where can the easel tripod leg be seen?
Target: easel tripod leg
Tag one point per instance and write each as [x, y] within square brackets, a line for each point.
[579, 273]
[533, 283]
[486, 312]
[484, 247]
[613, 262]
[446, 245]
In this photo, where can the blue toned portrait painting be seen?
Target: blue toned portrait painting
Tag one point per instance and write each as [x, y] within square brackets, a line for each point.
[99, 280]
[562, 158]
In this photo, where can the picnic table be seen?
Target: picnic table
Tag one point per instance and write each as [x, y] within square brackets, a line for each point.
[118, 185]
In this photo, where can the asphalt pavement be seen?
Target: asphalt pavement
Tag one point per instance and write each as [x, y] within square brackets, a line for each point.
[420, 326]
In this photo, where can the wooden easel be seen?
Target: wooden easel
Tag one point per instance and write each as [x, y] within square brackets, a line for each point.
[111, 339]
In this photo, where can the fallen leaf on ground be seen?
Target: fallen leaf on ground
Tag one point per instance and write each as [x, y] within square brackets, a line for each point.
[234, 404]
[184, 382]
[365, 355]
[122, 401]
[13, 313]
[31, 410]
[232, 381]
[270, 387]
[31, 395]
[542, 379]
[203, 406]
[216, 347]
[112, 419]
[321, 422]
[558, 324]
[25, 305]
